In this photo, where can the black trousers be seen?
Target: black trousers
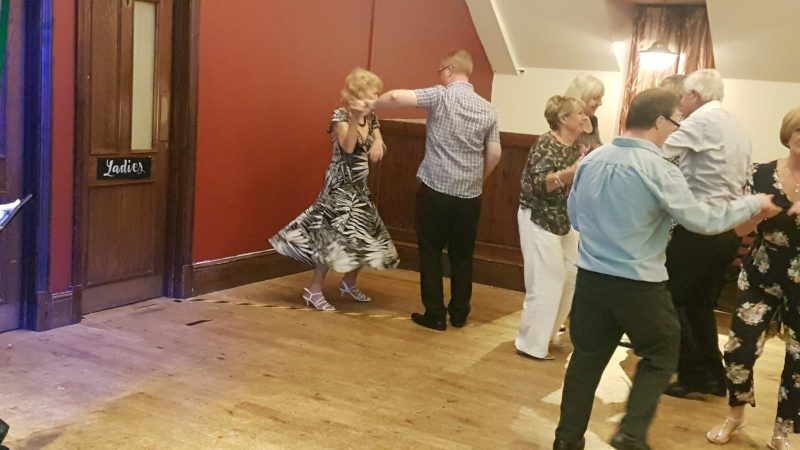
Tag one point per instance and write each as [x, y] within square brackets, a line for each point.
[444, 220]
[696, 265]
[605, 307]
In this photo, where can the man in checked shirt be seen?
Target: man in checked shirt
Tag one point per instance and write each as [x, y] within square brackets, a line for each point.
[462, 147]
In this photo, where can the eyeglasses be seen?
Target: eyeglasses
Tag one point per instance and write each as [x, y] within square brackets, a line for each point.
[677, 124]
[443, 68]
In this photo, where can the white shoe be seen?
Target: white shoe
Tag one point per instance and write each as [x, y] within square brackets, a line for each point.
[779, 443]
[354, 292]
[721, 435]
[317, 300]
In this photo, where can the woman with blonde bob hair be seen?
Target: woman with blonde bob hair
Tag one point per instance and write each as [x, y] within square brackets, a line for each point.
[549, 244]
[342, 230]
[769, 295]
[590, 90]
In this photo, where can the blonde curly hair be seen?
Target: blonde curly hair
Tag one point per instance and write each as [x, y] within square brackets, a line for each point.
[360, 84]
[559, 106]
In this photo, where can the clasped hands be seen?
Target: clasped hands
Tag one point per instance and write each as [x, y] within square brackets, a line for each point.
[770, 209]
[360, 110]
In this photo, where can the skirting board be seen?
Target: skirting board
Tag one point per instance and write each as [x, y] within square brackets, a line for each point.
[226, 273]
[484, 271]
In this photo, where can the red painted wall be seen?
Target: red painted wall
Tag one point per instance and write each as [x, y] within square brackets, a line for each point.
[63, 144]
[270, 75]
[410, 38]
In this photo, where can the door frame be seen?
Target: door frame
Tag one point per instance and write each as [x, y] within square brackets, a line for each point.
[183, 150]
[38, 60]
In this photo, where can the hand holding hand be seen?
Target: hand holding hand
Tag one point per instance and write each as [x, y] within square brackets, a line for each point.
[358, 108]
[768, 208]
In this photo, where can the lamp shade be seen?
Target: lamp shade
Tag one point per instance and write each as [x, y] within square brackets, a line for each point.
[657, 57]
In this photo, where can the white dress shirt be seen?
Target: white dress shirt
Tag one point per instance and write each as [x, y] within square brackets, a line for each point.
[714, 151]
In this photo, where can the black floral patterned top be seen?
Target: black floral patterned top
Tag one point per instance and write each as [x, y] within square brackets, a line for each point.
[773, 262]
[548, 209]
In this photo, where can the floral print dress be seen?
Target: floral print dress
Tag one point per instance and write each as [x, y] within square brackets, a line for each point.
[769, 285]
[342, 230]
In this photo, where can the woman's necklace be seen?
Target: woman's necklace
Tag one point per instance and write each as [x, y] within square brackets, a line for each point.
[794, 178]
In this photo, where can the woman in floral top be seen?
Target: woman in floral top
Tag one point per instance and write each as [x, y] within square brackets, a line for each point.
[769, 285]
[549, 245]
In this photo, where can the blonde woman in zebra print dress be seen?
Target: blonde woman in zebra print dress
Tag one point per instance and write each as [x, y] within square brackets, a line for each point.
[342, 231]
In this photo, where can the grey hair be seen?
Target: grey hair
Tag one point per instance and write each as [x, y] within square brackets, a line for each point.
[585, 87]
[707, 83]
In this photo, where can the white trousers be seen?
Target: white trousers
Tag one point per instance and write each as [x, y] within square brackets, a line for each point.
[549, 265]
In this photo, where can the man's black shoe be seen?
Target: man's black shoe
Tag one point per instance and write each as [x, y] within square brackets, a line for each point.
[624, 442]
[458, 323]
[425, 321]
[559, 444]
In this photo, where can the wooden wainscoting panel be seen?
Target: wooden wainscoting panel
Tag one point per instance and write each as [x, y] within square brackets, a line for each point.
[498, 259]
[395, 194]
[498, 222]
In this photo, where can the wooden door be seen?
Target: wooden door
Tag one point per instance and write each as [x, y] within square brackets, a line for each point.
[11, 167]
[124, 52]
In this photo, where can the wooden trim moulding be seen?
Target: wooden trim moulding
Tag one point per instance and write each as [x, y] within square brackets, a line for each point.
[55, 309]
[225, 273]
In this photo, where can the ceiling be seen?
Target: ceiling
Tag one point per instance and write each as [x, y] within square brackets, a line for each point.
[751, 38]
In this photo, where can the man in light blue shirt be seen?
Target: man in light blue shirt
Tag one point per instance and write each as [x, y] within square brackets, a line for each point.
[623, 199]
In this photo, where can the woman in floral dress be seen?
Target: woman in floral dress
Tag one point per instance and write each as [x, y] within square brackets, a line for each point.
[342, 230]
[769, 296]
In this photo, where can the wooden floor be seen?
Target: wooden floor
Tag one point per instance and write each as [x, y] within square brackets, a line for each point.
[152, 376]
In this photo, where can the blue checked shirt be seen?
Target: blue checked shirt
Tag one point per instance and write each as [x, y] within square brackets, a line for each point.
[460, 125]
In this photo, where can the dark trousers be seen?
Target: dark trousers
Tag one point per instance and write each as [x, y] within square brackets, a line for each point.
[605, 307]
[444, 220]
[696, 265]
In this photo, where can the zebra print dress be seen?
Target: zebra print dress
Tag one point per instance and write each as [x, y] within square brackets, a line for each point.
[342, 230]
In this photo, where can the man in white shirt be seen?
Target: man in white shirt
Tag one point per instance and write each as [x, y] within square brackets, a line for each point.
[714, 156]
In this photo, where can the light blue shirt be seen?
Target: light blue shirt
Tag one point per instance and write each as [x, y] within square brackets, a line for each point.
[622, 202]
